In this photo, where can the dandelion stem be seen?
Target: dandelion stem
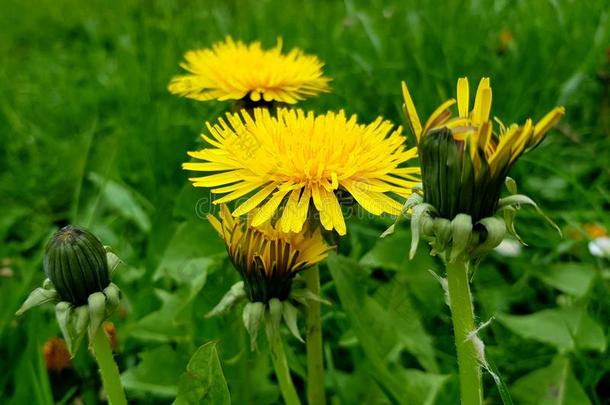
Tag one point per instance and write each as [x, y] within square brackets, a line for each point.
[462, 316]
[108, 369]
[315, 362]
[280, 363]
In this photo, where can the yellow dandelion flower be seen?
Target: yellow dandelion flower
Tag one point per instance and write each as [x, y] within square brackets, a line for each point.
[464, 159]
[232, 70]
[267, 258]
[293, 158]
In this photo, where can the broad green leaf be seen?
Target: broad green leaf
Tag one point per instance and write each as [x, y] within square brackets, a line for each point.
[552, 385]
[203, 382]
[192, 239]
[570, 278]
[392, 253]
[565, 328]
[122, 200]
[157, 373]
[173, 320]
[379, 333]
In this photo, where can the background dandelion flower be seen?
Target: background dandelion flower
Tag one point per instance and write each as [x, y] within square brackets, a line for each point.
[232, 70]
[297, 157]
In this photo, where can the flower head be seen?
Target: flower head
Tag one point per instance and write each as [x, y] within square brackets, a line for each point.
[267, 258]
[464, 159]
[295, 157]
[232, 70]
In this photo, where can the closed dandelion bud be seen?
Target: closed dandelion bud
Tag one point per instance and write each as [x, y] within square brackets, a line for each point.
[75, 261]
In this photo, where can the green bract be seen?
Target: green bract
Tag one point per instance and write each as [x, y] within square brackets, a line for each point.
[79, 269]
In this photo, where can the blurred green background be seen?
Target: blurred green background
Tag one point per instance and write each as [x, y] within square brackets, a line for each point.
[90, 135]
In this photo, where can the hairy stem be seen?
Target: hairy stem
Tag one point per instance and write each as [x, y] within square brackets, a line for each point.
[315, 362]
[108, 369]
[460, 302]
[280, 363]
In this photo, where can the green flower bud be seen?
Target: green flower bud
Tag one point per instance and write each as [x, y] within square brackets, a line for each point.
[75, 261]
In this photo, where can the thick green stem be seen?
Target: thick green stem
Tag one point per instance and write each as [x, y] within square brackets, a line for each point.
[315, 360]
[108, 369]
[460, 302]
[280, 363]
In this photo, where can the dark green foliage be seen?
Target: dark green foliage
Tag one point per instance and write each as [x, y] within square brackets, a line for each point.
[89, 135]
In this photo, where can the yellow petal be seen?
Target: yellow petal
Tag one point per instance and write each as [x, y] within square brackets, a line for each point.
[546, 123]
[463, 97]
[411, 112]
[267, 210]
[482, 101]
[254, 201]
[440, 116]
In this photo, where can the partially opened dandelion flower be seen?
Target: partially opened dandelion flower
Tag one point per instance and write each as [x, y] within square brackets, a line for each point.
[267, 258]
[300, 161]
[268, 261]
[465, 163]
[233, 70]
[477, 157]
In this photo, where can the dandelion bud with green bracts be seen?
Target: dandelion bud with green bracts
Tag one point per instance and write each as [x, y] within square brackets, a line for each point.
[268, 261]
[79, 270]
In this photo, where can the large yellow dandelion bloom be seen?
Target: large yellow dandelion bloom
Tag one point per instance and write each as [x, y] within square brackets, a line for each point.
[233, 70]
[464, 160]
[297, 157]
[267, 258]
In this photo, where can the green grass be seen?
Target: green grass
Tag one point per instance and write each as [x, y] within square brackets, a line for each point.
[89, 135]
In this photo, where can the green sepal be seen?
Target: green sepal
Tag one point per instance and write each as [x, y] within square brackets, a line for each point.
[442, 235]
[275, 314]
[495, 230]
[517, 200]
[290, 313]
[235, 294]
[511, 185]
[113, 298]
[461, 231]
[81, 321]
[63, 312]
[413, 200]
[252, 316]
[38, 297]
[113, 260]
[420, 211]
[302, 295]
[97, 311]
[509, 218]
